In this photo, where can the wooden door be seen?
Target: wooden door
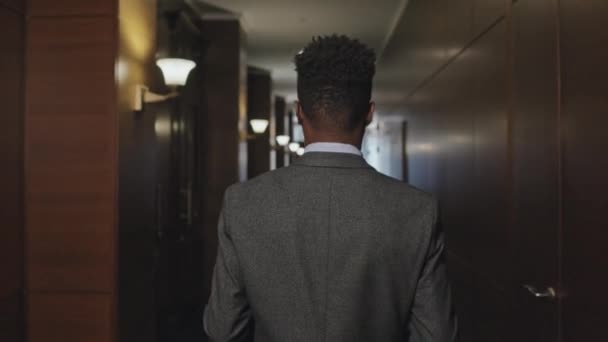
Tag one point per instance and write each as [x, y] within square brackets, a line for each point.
[179, 276]
[534, 155]
[584, 146]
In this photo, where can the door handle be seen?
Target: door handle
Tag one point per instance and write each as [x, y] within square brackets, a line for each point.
[549, 292]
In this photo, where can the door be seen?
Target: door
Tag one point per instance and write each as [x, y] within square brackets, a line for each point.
[535, 176]
[179, 279]
[560, 163]
[584, 75]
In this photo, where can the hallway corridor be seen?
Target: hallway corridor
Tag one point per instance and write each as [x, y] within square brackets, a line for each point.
[124, 122]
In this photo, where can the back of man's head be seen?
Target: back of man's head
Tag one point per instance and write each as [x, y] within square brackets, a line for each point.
[335, 82]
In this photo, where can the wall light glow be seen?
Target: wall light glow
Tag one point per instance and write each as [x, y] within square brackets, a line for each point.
[162, 127]
[258, 125]
[175, 70]
[283, 140]
[294, 146]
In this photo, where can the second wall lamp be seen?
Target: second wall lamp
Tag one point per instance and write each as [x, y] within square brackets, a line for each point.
[258, 126]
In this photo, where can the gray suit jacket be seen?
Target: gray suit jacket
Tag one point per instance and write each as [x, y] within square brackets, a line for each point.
[328, 249]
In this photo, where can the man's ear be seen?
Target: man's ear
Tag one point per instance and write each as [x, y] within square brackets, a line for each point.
[299, 112]
[369, 117]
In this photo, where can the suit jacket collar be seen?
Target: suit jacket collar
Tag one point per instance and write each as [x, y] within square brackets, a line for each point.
[330, 159]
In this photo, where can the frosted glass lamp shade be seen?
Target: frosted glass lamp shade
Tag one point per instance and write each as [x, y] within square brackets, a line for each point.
[283, 140]
[294, 146]
[300, 151]
[175, 70]
[258, 125]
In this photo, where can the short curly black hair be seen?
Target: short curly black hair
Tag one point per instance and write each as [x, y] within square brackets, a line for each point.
[335, 76]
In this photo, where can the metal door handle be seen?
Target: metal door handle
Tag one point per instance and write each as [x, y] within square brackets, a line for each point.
[548, 293]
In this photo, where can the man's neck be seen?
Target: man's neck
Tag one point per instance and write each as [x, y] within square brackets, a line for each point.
[332, 147]
[340, 139]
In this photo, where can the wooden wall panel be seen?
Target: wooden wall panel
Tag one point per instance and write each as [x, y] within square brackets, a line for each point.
[225, 80]
[140, 152]
[490, 107]
[259, 92]
[66, 54]
[70, 318]
[459, 127]
[71, 130]
[11, 318]
[456, 30]
[530, 142]
[458, 150]
[11, 150]
[421, 35]
[15, 5]
[45, 8]
[486, 12]
[11, 172]
[71, 154]
[464, 151]
[456, 135]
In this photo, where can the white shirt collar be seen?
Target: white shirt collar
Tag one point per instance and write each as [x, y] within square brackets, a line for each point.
[332, 147]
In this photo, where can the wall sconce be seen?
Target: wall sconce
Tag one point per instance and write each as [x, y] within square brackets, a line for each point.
[144, 95]
[174, 66]
[258, 125]
[175, 70]
[294, 146]
[283, 140]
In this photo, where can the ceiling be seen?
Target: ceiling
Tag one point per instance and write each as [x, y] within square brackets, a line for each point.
[278, 29]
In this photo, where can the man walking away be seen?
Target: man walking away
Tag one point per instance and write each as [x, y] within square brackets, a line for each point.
[328, 249]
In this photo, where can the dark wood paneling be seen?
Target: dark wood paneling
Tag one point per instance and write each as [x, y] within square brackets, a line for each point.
[456, 29]
[429, 34]
[462, 278]
[67, 55]
[71, 167]
[585, 166]
[259, 92]
[225, 80]
[486, 12]
[491, 141]
[70, 318]
[11, 172]
[419, 41]
[417, 143]
[142, 154]
[71, 7]
[490, 105]
[11, 150]
[11, 318]
[458, 150]
[141, 151]
[535, 167]
[15, 5]
[474, 178]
